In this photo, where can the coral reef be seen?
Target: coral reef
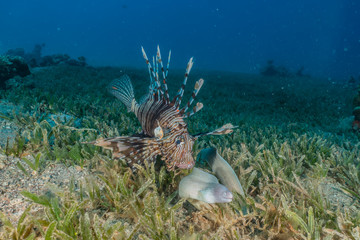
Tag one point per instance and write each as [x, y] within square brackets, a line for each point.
[35, 58]
[32, 58]
[59, 59]
[10, 67]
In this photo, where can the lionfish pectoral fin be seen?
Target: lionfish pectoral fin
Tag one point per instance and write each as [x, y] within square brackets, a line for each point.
[144, 99]
[118, 155]
[123, 90]
[117, 143]
[226, 129]
[99, 142]
[135, 149]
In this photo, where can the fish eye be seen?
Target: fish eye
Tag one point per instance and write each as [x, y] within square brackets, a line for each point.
[179, 140]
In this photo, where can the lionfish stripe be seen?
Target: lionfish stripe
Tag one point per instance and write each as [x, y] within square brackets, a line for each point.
[163, 73]
[149, 113]
[197, 88]
[181, 90]
[123, 90]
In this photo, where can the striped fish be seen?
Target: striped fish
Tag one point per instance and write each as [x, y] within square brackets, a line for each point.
[164, 131]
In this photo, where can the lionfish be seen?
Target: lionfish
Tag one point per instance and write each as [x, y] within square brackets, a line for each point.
[164, 131]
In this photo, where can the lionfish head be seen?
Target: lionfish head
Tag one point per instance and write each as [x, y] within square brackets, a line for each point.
[182, 154]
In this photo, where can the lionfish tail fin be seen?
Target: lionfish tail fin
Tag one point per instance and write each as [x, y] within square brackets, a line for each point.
[197, 88]
[122, 89]
[134, 149]
[178, 97]
[226, 129]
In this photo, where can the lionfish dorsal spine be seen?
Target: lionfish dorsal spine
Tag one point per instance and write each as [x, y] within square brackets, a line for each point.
[168, 64]
[194, 110]
[157, 81]
[180, 93]
[197, 88]
[155, 84]
[158, 54]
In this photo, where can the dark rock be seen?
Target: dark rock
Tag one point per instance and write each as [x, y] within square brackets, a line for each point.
[55, 59]
[20, 52]
[61, 59]
[32, 58]
[35, 58]
[11, 66]
[271, 70]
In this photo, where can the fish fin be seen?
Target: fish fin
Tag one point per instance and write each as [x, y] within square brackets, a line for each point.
[155, 85]
[134, 149]
[159, 60]
[144, 99]
[197, 88]
[207, 195]
[226, 129]
[178, 97]
[195, 109]
[201, 195]
[122, 89]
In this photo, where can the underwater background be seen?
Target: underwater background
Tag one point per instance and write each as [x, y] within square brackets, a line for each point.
[238, 36]
[286, 73]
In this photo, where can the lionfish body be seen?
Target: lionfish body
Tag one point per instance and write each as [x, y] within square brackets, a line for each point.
[164, 131]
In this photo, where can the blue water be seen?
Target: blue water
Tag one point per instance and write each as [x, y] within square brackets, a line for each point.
[323, 36]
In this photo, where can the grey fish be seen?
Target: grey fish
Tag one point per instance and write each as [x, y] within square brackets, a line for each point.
[205, 187]
[222, 169]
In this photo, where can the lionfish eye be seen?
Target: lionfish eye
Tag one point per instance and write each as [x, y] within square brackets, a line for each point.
[179, 140]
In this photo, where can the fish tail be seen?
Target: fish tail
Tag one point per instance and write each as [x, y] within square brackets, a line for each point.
[122, 89]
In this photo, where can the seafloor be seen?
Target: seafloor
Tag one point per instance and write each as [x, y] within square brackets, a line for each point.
[294, 151]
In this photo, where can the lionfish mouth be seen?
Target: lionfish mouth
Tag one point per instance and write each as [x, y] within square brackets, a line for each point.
[186, 163]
